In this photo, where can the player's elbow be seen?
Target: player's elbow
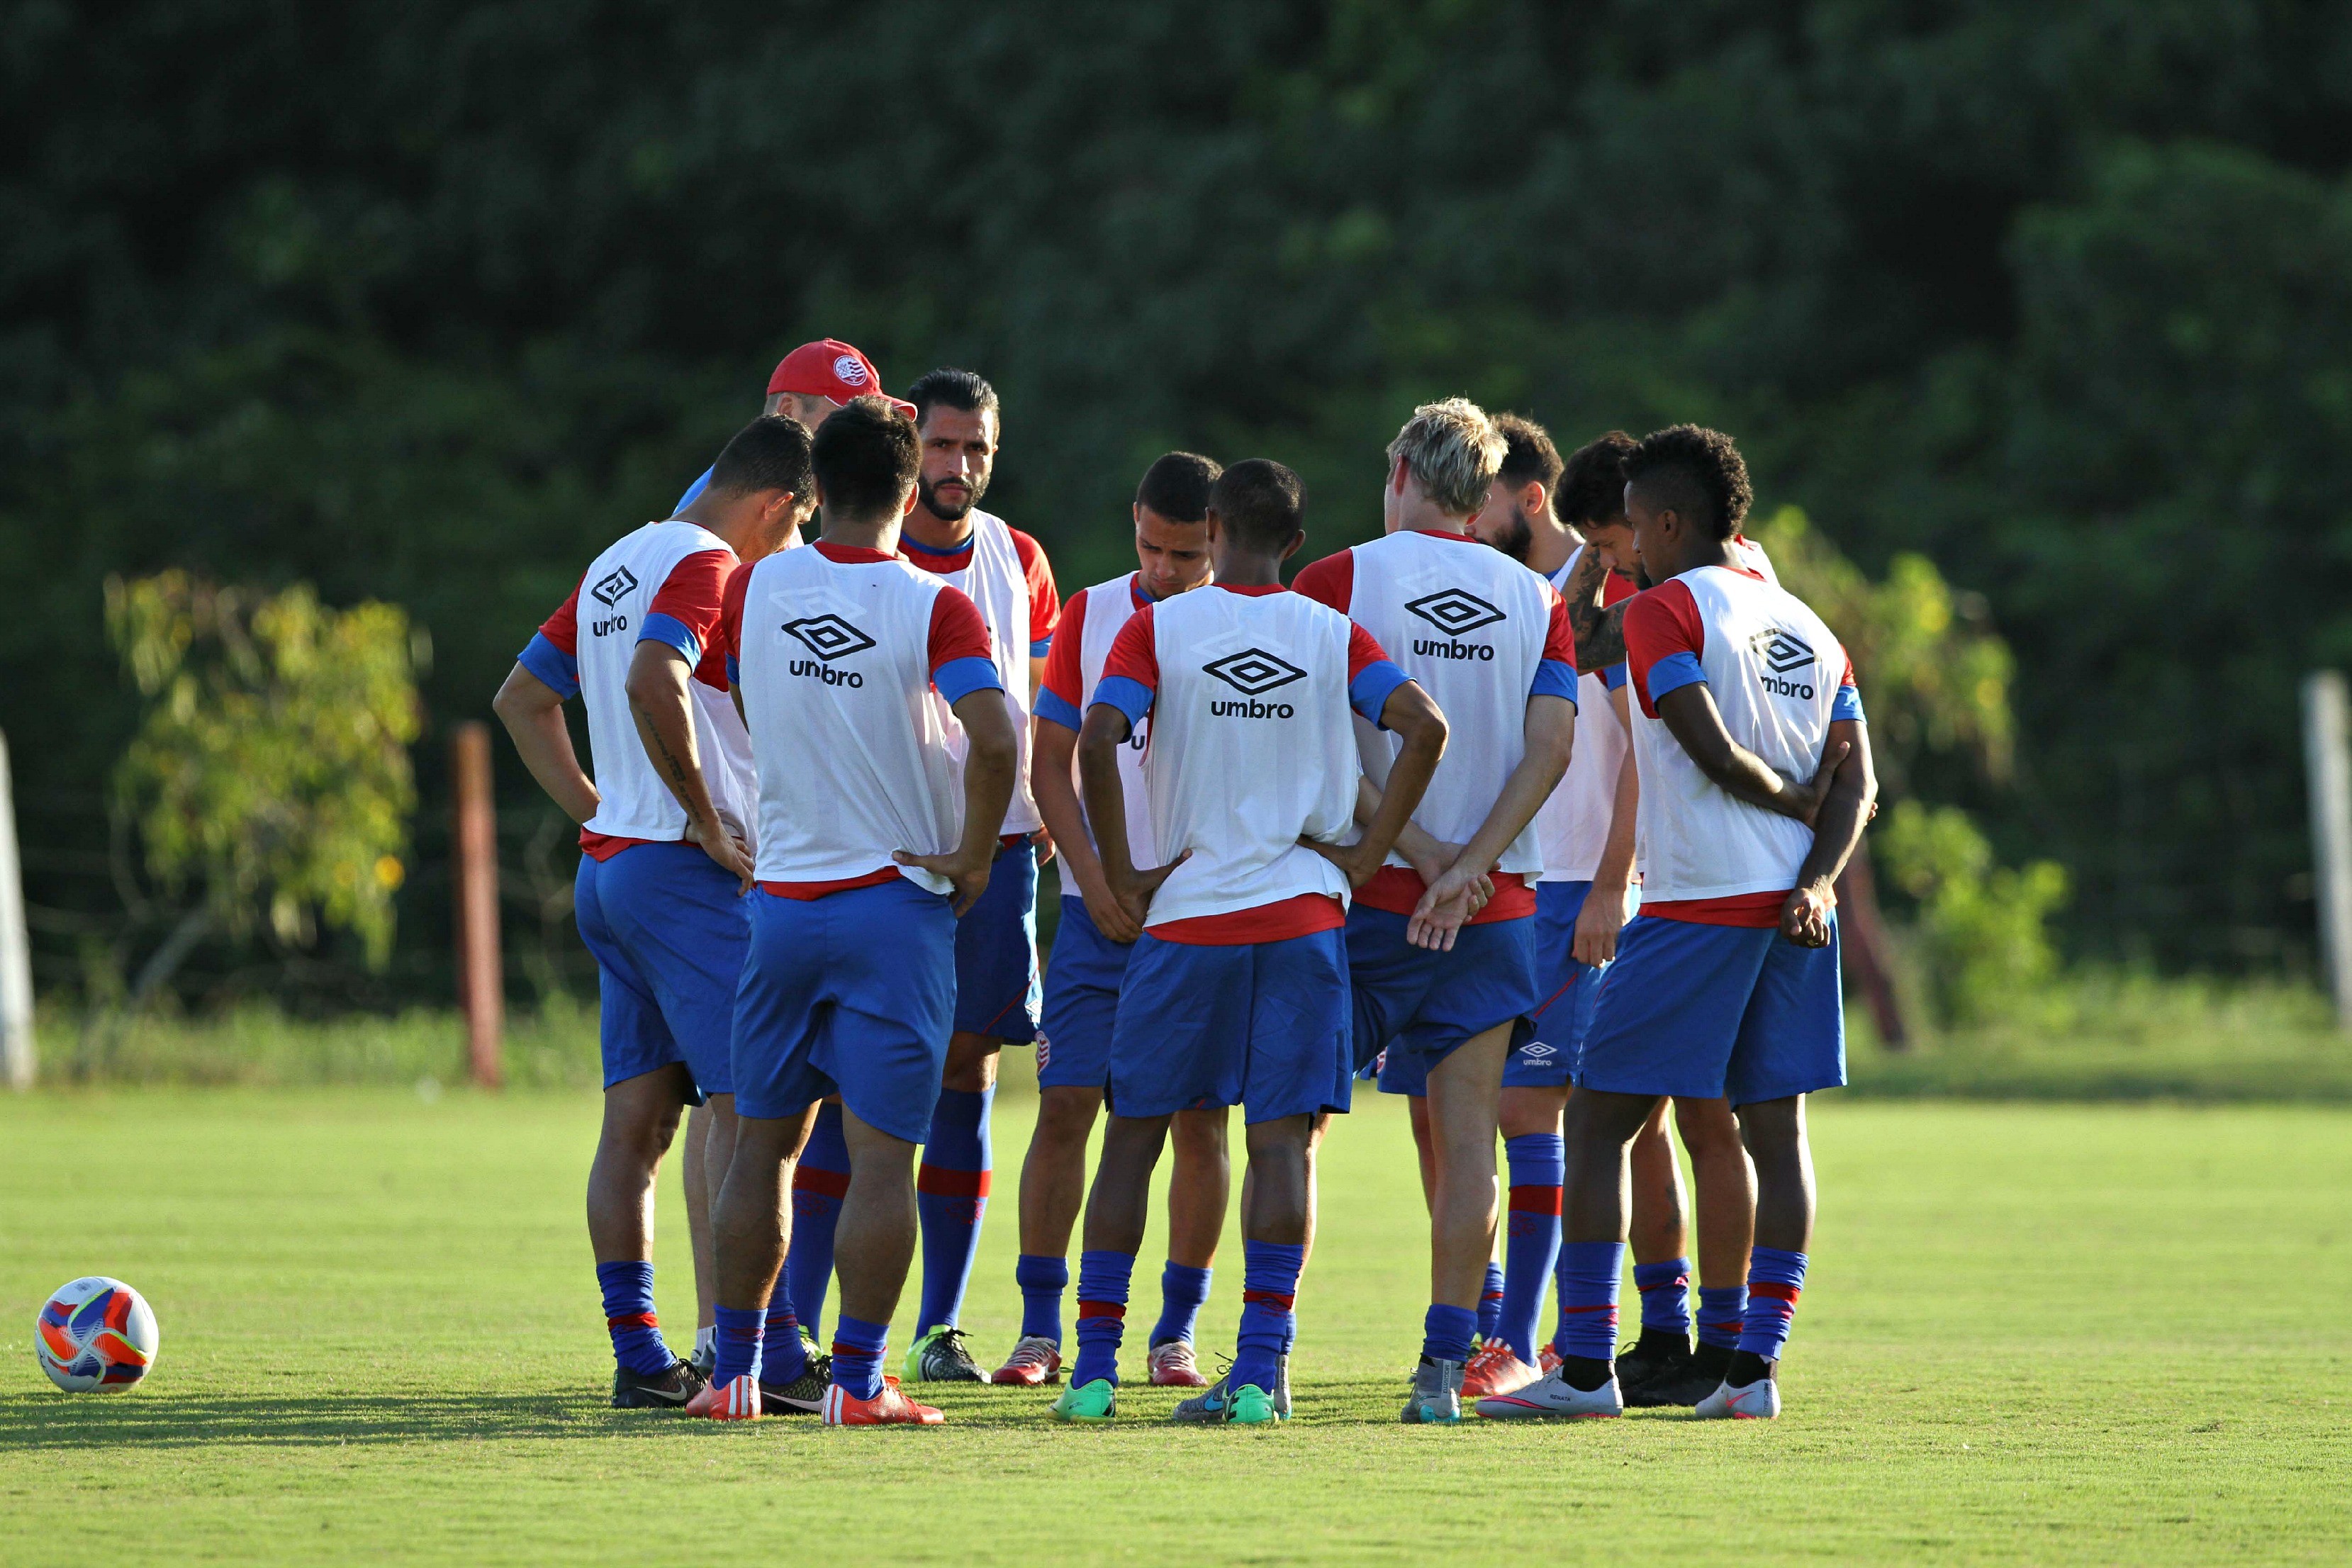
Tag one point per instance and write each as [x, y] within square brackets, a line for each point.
[520, 696]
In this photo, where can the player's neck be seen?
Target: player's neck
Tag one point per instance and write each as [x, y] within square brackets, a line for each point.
[1419, 517]
[876, 536]
[736, 524]
[928, 531]
[1247, 570]
[1549, 545]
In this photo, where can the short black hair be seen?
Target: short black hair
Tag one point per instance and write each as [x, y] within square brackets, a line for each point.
[771, 453]
[1177, 487]
[1695, 471]
[955, 388]
[1528, 455]
[1261, 502]
[867, 459]
[1592, 481]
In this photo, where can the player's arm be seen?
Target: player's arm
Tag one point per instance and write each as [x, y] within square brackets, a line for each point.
[663, 712]
[1055, 750]
[1419, 729]
[990, 767]
[1430, 857]
[1548, 728]
[1696, 725]
[1105, 730]
[1837, 828]
[532, 712]
[1603, 913]
[1600, 630]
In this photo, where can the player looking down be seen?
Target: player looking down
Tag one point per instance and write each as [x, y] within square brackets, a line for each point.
[663, 829]
[868, 852]
[1090, 952]
[1236, 990]
[1756, 782]
[811, 384]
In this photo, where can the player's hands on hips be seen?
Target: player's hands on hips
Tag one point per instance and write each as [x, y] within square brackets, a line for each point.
[729, 853]
[1103, 907]
[1353, 863]
[1445, 908]
[1131, 894]
[1597, 925]
[1803, 801]
[1044, 843]
[1805, 918]
[969, 880]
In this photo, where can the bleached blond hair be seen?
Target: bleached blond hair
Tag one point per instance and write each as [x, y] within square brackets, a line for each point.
[1453, 451]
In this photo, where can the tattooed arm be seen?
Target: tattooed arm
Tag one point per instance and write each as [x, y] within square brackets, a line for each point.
[1599, 634]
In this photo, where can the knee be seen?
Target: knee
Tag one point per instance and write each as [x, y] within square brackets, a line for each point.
[972, 1063]
[1064, 1117]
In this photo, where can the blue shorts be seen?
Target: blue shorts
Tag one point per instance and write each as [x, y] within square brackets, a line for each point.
[1082, 985]
[1414, 1005]
[1565, 990]
[1263, 1025]
[996, 952]
[852, 993]
[668, 932]
[1703, 1012]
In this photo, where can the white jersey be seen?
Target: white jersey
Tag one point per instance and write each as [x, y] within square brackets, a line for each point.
[835, 660]
[1098, 615]
[995, 580]
[1251, 746]
[1778, 676]
[618, 596]
[1573, 826]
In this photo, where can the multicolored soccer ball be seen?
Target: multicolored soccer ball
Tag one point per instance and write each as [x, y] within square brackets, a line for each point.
[95, 1332]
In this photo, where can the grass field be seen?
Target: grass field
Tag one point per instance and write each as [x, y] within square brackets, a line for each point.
[2032, 1333]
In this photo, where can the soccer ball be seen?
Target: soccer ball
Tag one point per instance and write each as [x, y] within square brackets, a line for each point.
[95, 1332]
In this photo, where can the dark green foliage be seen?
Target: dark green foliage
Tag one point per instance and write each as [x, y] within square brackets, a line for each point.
[424, 302]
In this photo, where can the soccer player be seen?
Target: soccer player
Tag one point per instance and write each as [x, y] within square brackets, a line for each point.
[1090, 954]
[1236, 991]
[1756, 782]
[868, 853]
[810, 384]
[663, 833]
[1440, 999]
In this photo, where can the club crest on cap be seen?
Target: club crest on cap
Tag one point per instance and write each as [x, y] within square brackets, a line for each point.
[851, 369]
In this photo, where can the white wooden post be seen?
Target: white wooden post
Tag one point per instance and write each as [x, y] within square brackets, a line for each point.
[16, 951]
[2329, 766]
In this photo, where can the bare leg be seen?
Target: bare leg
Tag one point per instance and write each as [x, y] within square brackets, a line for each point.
[1462, 1112]
[1274, 1201]
[1198, 1189]
[1599, 1129]
[1525, 1110]
[641, 1116]
[751, 1222]
[1726, 1179]
[709, 1146]
[1659, 1233]
[1054, 1172]
[1417, 1110]
[876, 1240]
[1775, 1135]
[1120, 1200]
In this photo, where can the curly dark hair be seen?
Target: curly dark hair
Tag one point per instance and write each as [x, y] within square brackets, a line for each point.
[1592, 481]
[1696, 472]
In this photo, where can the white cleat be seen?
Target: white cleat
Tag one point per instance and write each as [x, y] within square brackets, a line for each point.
[1552, 1397]
[1758, 1400]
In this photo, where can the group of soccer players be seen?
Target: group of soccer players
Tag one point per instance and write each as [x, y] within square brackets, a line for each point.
[1345, 829]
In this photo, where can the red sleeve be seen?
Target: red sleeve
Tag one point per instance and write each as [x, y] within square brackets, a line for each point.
[1363, 648]
[1659, 624]
[1616, 590]
[956, 630]
[1330, 581]
[1560, 637]
[728, 636]
[1063, 674]
[563, 628]
[1135, 652]
[690, 595]
[1849, 680]
[1044, 602]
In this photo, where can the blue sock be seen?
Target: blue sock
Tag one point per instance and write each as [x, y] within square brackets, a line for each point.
[1042, 1282]
[1587, 1299]
[857, 1355]
[1775, 1281]
[1183, 1292]
[1537, 1166]
[1665, 1295]
[1270, 1272]
[1490, 1302]
[738, 1345]
[1445, 1333]
[1722, 1309]
[629, 1318]
[951, 1193]
[1103, 1280]
[819, 1182]
[783, 1357]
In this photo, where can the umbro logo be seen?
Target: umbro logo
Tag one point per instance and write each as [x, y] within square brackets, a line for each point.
[1780, 651]
[829, 637]
[1455, 613]
[614, 586]
[1539, 1049]
[1254, 672]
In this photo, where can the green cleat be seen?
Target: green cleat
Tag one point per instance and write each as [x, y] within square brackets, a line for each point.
[941, 1356]
[1250, 1406]
[1096, 1401]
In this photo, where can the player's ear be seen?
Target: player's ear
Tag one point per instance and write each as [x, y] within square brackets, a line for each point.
[906, 507]
[1298, 538]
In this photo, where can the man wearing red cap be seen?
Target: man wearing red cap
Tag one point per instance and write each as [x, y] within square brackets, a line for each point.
[808, 385]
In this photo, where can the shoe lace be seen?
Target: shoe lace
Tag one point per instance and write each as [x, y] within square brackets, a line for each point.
[1174, 1353]
[950, 1343]
[1038, 1351]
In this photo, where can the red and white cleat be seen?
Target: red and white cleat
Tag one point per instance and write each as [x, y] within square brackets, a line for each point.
[1172, 1366]
[1495, 1368]
[1546, 1359]
[1034, 1360]
[887, 1408]
[735, 1401]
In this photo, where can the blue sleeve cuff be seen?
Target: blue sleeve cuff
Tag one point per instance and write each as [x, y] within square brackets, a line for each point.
[671, 632]
[693, 493]
[1368, 692]
[557, 670]
[1613, 678]
[734, 670]
[1847, 705]
[1057, 709]
[1555, 677]
[1673, 673]
[960, 677]
[1131, 698]
[1039, 647]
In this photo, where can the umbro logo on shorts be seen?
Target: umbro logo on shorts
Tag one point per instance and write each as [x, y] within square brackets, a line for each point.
[614, 585]
[828, 637]
[1455, 613]
[1254, 672]
[1780, 651]
[1539, 1050]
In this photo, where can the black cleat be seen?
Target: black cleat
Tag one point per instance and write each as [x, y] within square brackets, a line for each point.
[1701, 1374]
[941, 1356]
[804, 1395]
[660, 1390]
[1658, 1353]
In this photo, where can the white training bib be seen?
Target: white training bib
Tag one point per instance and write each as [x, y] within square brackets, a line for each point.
[1108, 607]
[994, 581]
[1573, 827]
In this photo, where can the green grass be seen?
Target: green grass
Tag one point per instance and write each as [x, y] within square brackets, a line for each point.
[2032, 1333]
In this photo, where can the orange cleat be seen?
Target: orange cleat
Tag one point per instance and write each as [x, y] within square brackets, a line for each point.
[1172, 1365]
[1495, 1369]
[1034, 1360]
[1546, 1359]
[735, 1401]
[887, 1408]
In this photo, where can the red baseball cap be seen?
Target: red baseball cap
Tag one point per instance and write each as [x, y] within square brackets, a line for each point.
[831, 369]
